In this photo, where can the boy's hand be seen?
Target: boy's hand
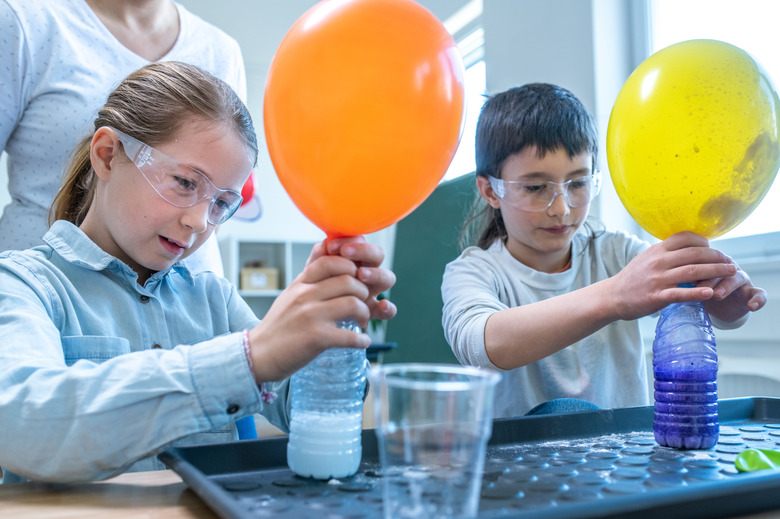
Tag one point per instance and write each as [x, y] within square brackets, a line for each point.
[651, 280]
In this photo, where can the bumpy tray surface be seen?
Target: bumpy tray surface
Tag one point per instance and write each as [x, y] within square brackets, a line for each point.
[594, 464]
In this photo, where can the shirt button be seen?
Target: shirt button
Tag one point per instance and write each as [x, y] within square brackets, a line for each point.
[144, 299]
[156, 347]
[233, 409]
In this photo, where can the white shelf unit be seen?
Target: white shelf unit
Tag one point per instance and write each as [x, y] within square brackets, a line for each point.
[289, 257]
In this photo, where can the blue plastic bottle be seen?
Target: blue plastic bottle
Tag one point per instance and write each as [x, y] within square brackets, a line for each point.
[326, 420]
[685, 366]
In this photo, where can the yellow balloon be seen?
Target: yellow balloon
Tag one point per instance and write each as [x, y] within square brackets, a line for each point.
[692, 141]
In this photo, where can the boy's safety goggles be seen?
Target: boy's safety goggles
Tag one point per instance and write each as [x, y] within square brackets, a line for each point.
[177, 183]
[538, 195]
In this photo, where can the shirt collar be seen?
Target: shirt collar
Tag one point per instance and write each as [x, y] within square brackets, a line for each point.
[77, 248]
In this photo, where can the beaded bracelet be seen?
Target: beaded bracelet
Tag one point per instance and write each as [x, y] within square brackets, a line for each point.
[247, 350]
[265, 395]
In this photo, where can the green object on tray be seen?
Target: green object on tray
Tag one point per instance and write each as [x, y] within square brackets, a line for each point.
[757, 459]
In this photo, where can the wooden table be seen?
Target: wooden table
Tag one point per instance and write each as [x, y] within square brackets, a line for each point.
[146, 495]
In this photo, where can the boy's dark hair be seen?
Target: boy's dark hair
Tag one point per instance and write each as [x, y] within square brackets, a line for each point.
[546, 116]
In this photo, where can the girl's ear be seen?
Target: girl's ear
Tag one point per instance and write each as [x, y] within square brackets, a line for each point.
[486, 190]
[102, 151]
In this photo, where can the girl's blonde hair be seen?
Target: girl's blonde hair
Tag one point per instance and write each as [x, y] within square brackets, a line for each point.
[151, 105]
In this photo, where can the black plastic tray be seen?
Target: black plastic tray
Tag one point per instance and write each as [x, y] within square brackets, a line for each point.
[592, 464]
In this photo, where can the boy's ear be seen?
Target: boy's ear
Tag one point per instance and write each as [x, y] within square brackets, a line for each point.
[102, 151]
[486, 190]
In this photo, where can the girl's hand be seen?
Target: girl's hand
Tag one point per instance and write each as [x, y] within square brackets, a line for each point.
[301, 322]
[341, 280]
[651, 280]
[368, 258]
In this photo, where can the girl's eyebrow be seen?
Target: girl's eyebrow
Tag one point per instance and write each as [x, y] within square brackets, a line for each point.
[202, 172]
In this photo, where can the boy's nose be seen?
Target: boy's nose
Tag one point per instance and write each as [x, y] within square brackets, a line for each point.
[559, 204]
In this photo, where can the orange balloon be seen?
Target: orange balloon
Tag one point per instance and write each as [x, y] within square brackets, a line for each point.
[363, 111]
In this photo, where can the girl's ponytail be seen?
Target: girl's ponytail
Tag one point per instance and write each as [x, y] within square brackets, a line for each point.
[72, 200]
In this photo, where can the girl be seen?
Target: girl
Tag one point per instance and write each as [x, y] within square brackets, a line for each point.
[112, 349]
[546, 296]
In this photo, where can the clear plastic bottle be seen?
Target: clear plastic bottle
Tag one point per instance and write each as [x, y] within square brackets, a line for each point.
[685, 366]
[326, 419]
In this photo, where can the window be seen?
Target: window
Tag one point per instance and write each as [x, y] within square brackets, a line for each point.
[465, 26]
[463, 162]
[750, 25]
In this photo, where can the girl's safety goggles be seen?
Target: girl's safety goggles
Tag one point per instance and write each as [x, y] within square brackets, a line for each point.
[177, 183]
